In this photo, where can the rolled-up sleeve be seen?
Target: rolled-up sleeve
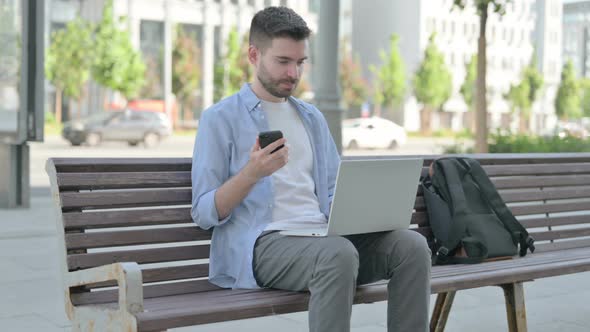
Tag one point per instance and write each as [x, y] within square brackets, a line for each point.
[210, 168]
[332, 158]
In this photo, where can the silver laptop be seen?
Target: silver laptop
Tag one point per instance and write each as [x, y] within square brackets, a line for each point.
[370, 196]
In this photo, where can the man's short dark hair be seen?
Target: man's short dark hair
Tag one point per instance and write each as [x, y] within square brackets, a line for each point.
[276, 22]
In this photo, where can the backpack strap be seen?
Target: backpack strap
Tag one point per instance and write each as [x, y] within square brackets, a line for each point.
[519, 233]
[476, 253]
[448, 182]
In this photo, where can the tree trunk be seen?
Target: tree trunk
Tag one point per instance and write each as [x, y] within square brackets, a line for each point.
[481, 134]
[58, 102]
[523, 123]
[425, 120]
[377, 110]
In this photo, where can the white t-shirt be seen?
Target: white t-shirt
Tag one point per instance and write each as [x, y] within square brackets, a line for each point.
[296, 205]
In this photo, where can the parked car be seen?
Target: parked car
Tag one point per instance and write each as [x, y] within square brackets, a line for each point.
[129, 126]
[372, 133]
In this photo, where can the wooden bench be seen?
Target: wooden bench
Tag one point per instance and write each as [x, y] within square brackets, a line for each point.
[132, 259]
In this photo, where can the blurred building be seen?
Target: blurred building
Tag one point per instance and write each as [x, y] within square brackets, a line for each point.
[511, 40]
[151, 24]
[576, 35]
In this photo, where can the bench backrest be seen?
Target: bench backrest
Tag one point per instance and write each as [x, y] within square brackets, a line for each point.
[138, 210]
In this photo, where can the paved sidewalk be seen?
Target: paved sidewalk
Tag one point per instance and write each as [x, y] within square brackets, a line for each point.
[31, 298]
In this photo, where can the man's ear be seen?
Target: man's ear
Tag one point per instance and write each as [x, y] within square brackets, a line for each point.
[253, 54]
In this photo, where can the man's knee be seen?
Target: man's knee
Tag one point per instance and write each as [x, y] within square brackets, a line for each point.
[412, 245]
[339, 254]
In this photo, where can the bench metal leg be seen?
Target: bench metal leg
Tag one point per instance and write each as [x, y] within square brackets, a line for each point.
[440, 314]
[515, 309]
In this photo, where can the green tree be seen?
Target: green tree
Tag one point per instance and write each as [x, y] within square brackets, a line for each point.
[483, 10]
[117, 64]
[68, 60]
[567, 100]
[390, 84]
[534, 78]
[518, 97]
[354, 87]
[233, 69]
[186, 71]
[523, 95]
[433, 83]
[468, 87]
[585, 96]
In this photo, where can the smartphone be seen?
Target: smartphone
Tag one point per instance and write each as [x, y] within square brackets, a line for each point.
[267, 137]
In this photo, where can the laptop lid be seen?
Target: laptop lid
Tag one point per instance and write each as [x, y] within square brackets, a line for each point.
[374, 195]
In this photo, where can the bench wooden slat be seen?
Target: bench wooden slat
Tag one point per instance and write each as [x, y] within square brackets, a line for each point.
[149, 291]
[125, 198]
[562, 245]
[528, 195]
[560, 234]
[119, 180]
[141, 256]
[516, 262]
[549, 208]
[420, 218]
[555, 221]
[135, 237]
[168, 273]
[221, 308]
[126, 218]
[94, 165]
[540, 181]
[224, 309]
[531, 169]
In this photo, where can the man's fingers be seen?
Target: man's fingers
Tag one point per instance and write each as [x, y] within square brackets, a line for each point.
[272, 146]
[256, 145]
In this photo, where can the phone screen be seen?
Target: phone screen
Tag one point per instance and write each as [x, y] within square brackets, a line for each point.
[267, 137]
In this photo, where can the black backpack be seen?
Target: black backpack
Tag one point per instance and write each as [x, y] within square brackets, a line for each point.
[469, 219]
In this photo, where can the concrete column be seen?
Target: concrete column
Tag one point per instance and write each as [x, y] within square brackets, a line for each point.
[14, 184]
[328, 92]
[167, 60]
[208, 55]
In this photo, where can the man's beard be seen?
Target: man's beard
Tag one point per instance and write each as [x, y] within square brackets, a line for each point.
[272, 86]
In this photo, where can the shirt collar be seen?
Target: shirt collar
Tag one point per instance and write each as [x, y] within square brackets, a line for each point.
[251, 101]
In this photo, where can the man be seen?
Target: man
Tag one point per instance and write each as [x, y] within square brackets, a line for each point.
[247, 194]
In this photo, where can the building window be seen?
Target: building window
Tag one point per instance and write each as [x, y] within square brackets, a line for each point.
[430, 25]
[151, 39]
[284, 3]
[267, 3]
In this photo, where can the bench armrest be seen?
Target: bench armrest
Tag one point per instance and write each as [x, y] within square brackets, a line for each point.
[127, 275]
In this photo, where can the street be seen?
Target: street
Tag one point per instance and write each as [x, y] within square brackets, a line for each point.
[181, 146]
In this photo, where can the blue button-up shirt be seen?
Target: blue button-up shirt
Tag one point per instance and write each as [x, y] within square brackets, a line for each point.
[227, 132]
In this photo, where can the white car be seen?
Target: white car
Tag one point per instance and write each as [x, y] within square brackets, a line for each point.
[372, 133]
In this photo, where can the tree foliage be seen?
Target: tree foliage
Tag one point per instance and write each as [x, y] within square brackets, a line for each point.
[567, 100]
[233, 70]
[433, 83]
[534, 79]
[468, 87]
[186, 68]
[68, 60]
[390, 84]
[117, 65]
[355, 89]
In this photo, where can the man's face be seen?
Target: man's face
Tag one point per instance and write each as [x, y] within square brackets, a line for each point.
[279, 66]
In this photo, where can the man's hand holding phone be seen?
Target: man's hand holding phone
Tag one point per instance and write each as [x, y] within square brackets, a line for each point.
[268, 155]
